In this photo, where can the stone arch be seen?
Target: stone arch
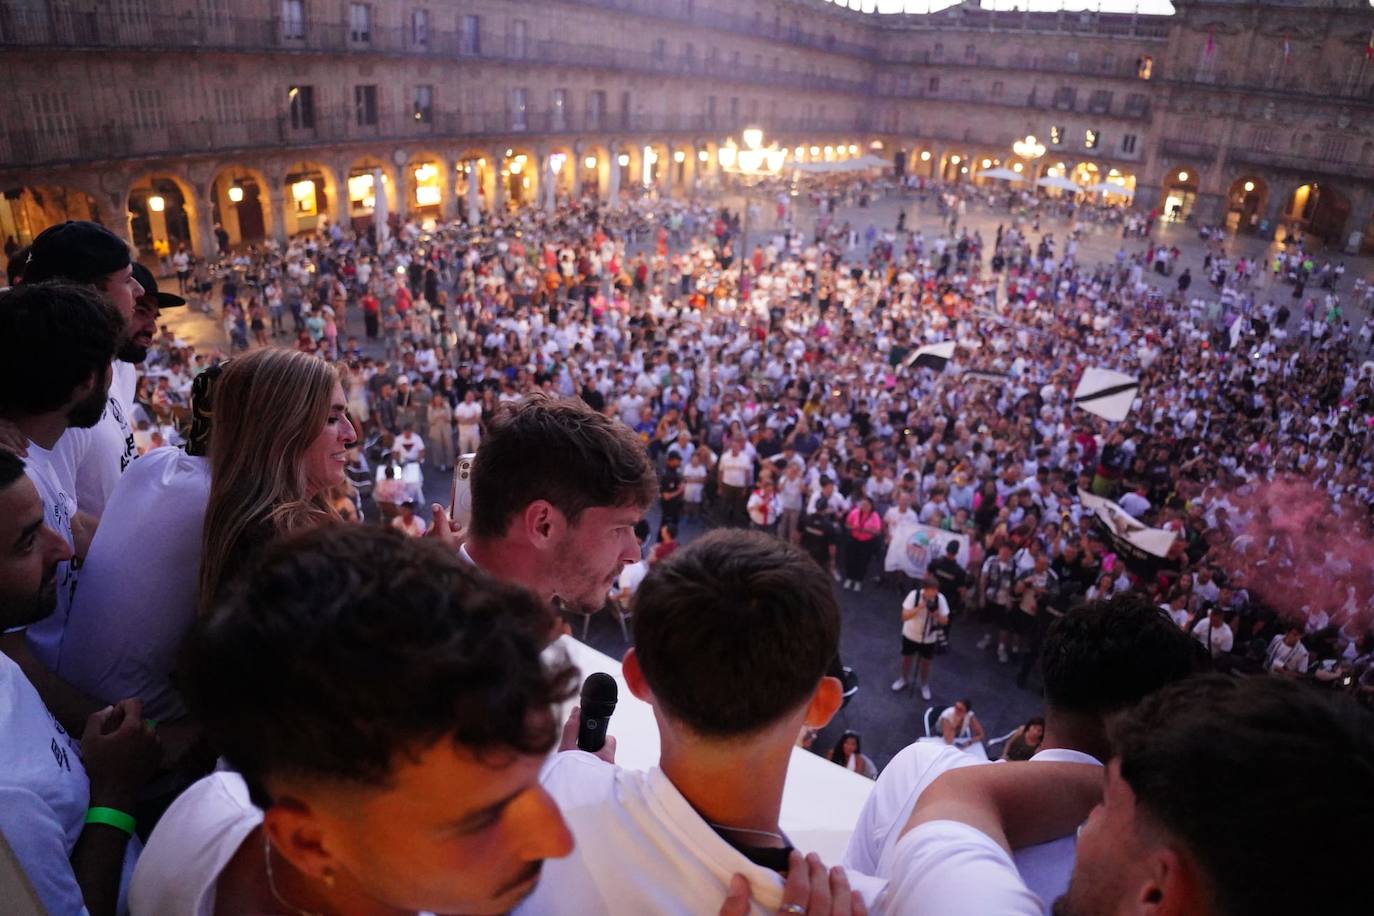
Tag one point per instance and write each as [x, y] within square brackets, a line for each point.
[592, 168]
[28, 209]
[519, 175]
[162, 212]
[1179, 190]
[1317, 209]
[423, 189]
[1247, 202]
[361, 199]
[311, 196]
[560, 170]
[241, 204]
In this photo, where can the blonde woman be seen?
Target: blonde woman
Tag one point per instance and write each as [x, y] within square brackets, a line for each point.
[277, 446]
[271, 422]
[440, 439]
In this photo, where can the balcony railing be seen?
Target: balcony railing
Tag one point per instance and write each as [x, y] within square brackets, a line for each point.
[1127, 112]
[1191, 150]
[1292, 87]
[1303, 165]
[970, 18]
[171, 28]
[1125, 70]
[20, 148]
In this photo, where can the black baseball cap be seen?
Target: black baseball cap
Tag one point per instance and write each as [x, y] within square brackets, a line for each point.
[77, 250]
[145, 279]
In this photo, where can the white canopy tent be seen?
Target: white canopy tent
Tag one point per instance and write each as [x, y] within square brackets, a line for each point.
[1001, 174]
[1058, 181]
[1110, 187]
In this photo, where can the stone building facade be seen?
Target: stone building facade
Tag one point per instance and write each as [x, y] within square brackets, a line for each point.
[167, 118]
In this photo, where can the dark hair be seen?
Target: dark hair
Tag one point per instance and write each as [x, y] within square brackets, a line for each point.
[54, 336]
[11, 469]
[559, 450]
[734, 631]
[1108, 654]
[837, 754]
[348, 645]
[1220, 763]
[14, 270]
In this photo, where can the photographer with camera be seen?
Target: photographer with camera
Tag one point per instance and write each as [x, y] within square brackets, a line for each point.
[924, 612]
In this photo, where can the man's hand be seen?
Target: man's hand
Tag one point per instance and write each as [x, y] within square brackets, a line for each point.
[121, 753]
[809, 890]
[12, 440]
[449, 533]
[569, 741]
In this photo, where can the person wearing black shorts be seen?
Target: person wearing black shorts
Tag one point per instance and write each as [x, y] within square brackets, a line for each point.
[924, 612]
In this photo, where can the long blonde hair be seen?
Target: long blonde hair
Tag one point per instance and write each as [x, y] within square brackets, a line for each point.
[268, 408]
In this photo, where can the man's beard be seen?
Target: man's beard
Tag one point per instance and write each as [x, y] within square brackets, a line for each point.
[29, 609]
[87, 413]
[131, 352]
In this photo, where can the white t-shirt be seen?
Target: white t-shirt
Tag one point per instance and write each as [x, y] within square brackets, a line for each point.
[735, 469]
[95, 458]
[55, 489]
[642, 848]
[134, 608]
[44, 794]
[1045, 868]
[945, 868]
[468, 415]
[191, 845]
[924, 627]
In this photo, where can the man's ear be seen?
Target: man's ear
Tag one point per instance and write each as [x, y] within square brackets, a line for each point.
[634, 677]
[825, 702]
[298, 836]
[542, 525]
[1169, 885]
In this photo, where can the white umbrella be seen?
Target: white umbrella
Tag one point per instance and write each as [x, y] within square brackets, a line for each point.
[1058, 181]
[1110, 187]
[1001, 174]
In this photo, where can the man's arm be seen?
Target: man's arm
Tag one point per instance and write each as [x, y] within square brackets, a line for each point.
[69, 705]
[1016, 804]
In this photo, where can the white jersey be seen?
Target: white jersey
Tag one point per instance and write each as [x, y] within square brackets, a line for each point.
[41, 466]
[95, 458]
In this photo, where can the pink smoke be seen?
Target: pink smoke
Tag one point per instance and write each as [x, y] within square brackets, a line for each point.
[1298, 550]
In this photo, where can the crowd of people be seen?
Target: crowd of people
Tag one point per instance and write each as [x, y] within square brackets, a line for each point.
[380, 704]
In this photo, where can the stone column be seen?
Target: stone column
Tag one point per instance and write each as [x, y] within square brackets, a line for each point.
[498, 198]
[276, 199]
[448, 206]
[206, 245]
[613, 189]
[578, 154]
[474, 194]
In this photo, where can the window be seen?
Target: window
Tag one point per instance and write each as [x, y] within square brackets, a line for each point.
[558, 108]
[301, 101]
[1064, 98]
[710, 111]
[970, 52]
[520, 38]
[734, 109]
[660, 49]
[215, 12]
[596, 109]
[1144, 67]
[365, 106]
[934, 84]
[131, 13]
[519, 109]
[293, 19]
[419, 28]
[997, 89]
[1091, 137]
[470, 38]
[51, 115]
[1137, 105]
[147, 108]
[1056, 135]
[228, 106]
[360, 23]
[1100, 102]
[424, 105]
[625, 108]
[689, 54]
[938, 51]
[1128, 144]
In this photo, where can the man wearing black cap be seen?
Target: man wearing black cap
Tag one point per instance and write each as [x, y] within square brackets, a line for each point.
[84, 252]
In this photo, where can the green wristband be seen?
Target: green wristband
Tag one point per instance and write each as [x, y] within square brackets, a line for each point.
[112, 817]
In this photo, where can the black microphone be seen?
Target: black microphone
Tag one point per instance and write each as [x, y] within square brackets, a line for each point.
[599, 695]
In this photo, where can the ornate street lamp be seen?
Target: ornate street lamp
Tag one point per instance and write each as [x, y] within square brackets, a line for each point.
[1029, 150]
[751, 164]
